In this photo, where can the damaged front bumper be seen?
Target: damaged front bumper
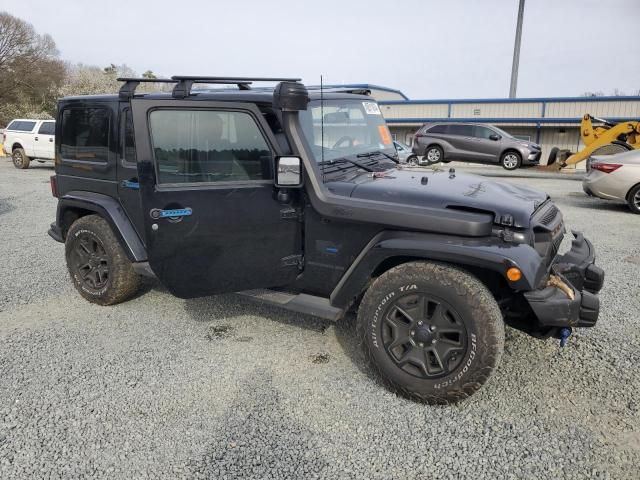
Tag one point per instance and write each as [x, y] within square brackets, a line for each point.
[569, 298]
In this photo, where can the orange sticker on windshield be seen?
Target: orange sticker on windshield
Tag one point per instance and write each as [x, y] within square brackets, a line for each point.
[385, 136]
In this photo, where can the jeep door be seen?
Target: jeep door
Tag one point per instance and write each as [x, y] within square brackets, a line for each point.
[487, 149]
[213, 222]
[43, 140]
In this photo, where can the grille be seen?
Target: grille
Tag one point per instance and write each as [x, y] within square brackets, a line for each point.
[549, 215]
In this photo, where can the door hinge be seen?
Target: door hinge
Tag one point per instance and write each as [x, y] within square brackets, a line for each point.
[291, 214]
[293, 261]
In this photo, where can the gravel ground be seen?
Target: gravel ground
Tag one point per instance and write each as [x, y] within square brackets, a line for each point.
[222, 387]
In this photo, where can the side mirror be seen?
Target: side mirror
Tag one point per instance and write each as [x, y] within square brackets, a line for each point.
[288, 172]
[495, 137]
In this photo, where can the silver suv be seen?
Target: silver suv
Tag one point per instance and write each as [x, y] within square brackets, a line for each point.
[471, 142]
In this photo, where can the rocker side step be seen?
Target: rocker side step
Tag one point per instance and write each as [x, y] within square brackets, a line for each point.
[301, 303]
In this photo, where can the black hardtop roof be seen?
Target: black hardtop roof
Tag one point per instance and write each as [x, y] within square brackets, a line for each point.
[263, 96]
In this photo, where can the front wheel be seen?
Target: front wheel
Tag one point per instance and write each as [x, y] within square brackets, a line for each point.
[412, 161]
[98, 265]
[431, 331]
[510, 160]
[20, 159]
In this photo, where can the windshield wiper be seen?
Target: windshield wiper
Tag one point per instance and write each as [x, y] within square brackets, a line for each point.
[378, 152]
[346, 160]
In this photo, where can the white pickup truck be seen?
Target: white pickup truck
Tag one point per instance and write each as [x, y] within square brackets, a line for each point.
[26, 140]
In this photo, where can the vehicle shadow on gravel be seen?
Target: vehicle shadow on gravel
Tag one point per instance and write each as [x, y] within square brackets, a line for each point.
[230, 306]
[245, 443]
[582, 200]
[6, 206]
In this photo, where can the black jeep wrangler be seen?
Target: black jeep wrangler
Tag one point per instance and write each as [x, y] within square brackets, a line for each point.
[295, 196]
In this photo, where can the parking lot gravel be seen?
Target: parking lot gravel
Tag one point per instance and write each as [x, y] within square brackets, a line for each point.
[222, 387]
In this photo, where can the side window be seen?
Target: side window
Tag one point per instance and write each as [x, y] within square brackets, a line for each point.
[482, 132]
[462, 130]
[128, 139]
[47, 128]
[85, 134]
[192, 146]
[439, 129]
[21, 126]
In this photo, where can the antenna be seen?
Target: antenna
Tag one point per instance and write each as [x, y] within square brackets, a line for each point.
[321, 126]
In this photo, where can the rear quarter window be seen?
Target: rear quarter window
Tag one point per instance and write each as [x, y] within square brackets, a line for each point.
[85, 134]
[21, 126]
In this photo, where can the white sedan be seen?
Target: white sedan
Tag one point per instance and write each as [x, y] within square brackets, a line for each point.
[615, 177]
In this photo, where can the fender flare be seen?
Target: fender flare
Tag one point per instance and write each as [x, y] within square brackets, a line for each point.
[111, 210]
[490, 253]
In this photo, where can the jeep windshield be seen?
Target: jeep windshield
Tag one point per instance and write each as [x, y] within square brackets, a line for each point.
[351, 128]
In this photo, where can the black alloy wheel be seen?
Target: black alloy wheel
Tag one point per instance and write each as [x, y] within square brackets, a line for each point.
[424, 335]
[91, 262]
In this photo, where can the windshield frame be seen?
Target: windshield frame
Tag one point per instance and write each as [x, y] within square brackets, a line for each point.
[361, 121]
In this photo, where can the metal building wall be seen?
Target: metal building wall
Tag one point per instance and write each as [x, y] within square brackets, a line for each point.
[496, 110]
[576, 109]
[416, 110]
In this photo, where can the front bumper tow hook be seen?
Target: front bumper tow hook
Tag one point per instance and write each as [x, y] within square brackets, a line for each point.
[565, 333]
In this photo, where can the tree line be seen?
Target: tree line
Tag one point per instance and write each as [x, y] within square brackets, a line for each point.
[33, 76]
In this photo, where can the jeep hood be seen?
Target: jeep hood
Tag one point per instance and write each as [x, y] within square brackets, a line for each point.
[440, 189]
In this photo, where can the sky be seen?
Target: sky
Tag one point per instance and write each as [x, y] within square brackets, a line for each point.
[428, 49]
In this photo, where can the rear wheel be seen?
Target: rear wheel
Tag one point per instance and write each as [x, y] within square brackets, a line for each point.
[98, 265]
[412, 161]
[20, 159]
[433, 154]
[431, 331]
[633, 199]
[510, 160]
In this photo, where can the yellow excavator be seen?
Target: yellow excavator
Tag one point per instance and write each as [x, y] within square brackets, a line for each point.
[604, 139]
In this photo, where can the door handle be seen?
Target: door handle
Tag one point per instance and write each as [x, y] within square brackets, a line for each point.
[51, 139]
[131, 183]
[171, 214]
[36, 139]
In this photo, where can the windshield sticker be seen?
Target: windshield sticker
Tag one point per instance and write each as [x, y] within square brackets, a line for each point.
[371, 108]
[385, 135]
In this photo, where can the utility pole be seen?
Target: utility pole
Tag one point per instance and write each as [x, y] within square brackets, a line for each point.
[516, 52]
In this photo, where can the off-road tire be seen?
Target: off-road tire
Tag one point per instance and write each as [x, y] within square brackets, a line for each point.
[20, 159]
[508, 162]
[122, 281]
[474, 306]
[633, 199]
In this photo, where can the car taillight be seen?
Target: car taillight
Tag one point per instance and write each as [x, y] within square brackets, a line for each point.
[605, 167]
[54, 185]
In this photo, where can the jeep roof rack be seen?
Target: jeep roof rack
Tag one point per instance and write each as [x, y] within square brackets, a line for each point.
[185, 82]
[130, 84]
